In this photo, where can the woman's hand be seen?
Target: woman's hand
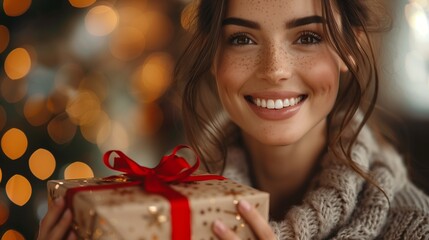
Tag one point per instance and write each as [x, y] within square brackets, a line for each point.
[56, 223]
[259, 225]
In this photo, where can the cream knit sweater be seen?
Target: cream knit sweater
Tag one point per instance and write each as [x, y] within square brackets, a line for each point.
[342, 205]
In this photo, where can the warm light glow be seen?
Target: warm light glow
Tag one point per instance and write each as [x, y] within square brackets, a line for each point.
[3, 118]
[15, 8]
[417, 19]
[78, 170]
[99, 130]
[18, 189]
[12, 235]
[81, 3]
[61, 129]
[101, 20]
[14, 90]
[117, 138]
[14, 143]
[36, 111]
[188, 15]
[127, 43]
[0, 175]
[4, 213]
[84, 108]
[155, 77]
[17, 64]
[42, 163]
[158, 30]
[4, 38]
[150, 119]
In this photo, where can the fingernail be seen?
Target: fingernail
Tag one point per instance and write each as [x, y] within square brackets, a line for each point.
[219, 227]
[244, 205]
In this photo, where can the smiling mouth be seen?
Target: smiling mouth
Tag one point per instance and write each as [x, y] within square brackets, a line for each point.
[276, 104]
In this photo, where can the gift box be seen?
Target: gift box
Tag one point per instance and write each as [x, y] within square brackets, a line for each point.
[169, 201]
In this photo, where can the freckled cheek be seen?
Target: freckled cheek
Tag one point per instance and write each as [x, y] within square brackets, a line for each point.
[234, 70]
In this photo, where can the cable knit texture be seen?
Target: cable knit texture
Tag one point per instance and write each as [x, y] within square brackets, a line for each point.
[342, 205]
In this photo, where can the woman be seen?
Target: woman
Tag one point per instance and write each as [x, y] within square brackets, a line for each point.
[296, 83]
[278, 94]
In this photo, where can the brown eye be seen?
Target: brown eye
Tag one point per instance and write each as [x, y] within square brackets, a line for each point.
[240, 39]
[309, 38]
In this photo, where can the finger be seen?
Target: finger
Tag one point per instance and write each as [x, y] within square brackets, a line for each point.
[223, 232]
[258, 224]
[63, 226]
[52, 216]
[72, 236]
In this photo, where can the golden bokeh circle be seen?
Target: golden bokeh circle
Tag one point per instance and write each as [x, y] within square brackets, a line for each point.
[81, 3]
[78, 170]
[42, 163]
[17, 64]
[18, 189]
[101, 20]
[14, 8]
[4, 213]
[14, 143]
[4, 38]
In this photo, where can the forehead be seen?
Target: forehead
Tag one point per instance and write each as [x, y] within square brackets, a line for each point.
[264, 10]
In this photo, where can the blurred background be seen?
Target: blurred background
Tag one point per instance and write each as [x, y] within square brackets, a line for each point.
[79, 77]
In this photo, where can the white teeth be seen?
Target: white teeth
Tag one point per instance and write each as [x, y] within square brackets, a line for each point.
[277, 103]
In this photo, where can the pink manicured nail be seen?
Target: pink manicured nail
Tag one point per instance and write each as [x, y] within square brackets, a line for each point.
[244, 205]
[219, 227]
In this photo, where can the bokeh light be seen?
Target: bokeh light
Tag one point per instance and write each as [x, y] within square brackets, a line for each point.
[155, 76]
[14, 143]
[127, 43]
[101, 20]
[18, 189]
[157, 28]
[36, 110]
[78, 170]
[188, 15]
[417, 20]
[17, 63]
[14, 91]
[99, 130]
[61, 129]
[81, 3]
[4, 213]
[4, 38]
[84, 108]
[42, 163]
[117, 138]
[12, 235]
[0, 175]
[150, 119]
[14, 8]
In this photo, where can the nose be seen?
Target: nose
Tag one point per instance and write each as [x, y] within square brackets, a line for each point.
[275, 64]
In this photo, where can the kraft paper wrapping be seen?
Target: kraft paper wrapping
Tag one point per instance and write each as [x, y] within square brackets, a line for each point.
[131, 213]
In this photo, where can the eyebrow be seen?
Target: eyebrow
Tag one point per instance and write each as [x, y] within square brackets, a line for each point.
[290, 24]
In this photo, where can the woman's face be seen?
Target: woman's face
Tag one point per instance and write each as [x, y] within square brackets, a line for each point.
[276, 74]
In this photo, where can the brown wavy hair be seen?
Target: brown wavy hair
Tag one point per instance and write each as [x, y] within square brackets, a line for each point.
[207, 127]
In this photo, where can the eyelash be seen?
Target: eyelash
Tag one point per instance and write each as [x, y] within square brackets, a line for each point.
[315, 37]
[236, 36]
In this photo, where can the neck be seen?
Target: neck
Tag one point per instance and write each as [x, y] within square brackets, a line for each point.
[285, 171]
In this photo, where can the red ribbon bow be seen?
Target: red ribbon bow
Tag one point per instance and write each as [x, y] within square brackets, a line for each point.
[171, 169]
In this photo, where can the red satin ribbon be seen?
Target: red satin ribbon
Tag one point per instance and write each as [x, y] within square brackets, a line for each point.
[171, 169]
